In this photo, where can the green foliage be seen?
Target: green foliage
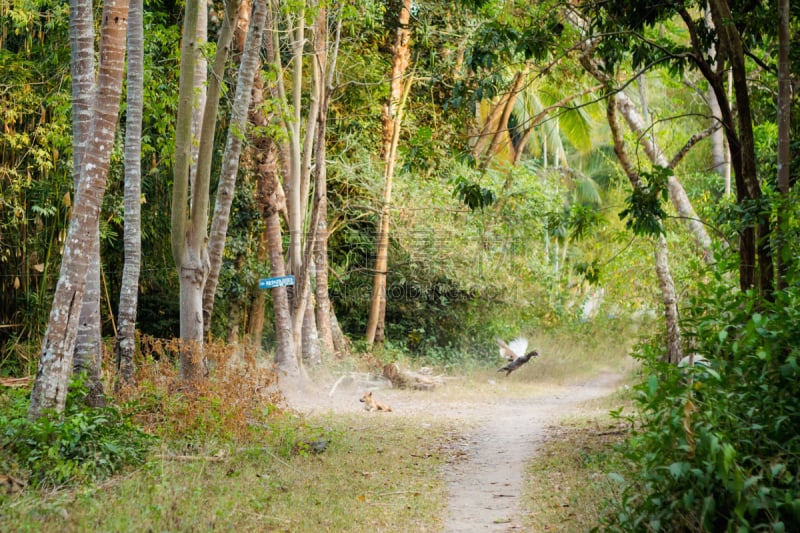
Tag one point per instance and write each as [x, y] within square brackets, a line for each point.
[83, 444]
[645, 211]
[718, 448]
[472, 194]
[35, 161]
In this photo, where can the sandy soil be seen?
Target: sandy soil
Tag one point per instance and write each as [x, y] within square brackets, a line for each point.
[497, 437]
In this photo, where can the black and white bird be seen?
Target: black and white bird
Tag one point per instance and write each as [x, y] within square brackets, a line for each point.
[514, 352]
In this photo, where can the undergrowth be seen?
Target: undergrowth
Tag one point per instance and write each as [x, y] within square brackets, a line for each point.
[85, 444]
[81, 444]
[718, 448]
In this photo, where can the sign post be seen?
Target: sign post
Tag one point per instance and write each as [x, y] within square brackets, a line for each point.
[271, 283]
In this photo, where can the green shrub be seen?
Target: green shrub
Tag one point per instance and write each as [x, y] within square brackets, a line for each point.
[718, 449]
[82, 444]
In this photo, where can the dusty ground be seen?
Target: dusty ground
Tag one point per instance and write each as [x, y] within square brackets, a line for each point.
[500, 429]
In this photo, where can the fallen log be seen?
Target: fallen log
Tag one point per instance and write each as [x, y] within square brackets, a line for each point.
[408, 379]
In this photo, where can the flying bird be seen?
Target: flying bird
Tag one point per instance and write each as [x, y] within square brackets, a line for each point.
[514, 352]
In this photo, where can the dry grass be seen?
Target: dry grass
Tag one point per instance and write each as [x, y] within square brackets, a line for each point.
[567, 484]
[376, 474]
[254, 471]
[233, 458]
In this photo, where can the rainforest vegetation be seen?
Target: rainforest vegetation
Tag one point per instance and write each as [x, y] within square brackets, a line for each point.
[434, 175]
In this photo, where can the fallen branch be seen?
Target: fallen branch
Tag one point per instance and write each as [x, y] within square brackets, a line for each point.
[190, 458]
[16, 382]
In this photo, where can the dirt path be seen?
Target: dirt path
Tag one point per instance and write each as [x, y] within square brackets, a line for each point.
[484, 489]
[498, 436]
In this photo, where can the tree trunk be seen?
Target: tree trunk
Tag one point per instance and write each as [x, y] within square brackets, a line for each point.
[784, 143]
[502, 126]
[88, 354]
[323, 307]
[201, 92]
[670, 301]
[392, 119]
[340, 342]
[680, 200]
[311, 353]
[233, 149]
[285, 358]
[129, 287]
[55, 363]
[719, 157]
[189, 222]
[188, 233]
[274, 201]
[754, 241]
[88, 347]
[255, 317]
[666, 284]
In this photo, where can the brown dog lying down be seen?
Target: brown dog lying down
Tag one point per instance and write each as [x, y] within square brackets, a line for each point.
[371, 405]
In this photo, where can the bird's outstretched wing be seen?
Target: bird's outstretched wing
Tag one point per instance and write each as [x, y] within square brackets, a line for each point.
[513, 349]
[519, 346]
[505, 351]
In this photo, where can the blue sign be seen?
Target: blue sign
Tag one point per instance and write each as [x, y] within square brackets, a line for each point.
[271, 283]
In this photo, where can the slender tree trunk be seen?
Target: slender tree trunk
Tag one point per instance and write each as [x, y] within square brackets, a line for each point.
[189, 232]
[88, 354]
[680, 200]
[189, 236]
[88, 346]
[493, 123]
[754, 247]
[275, 203]
[233, 149]
[285, 351]
[670, 300]
[502, 128]
[129, 288]
[255, 317]
[323, 307]
[311, 352]
[392, 119]
[201, 93]
[666, 284]
[55, 363]
[784, 142]
[340, 342]
[720, 162]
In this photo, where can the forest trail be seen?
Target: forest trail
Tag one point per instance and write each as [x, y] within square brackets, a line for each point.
[498, 435]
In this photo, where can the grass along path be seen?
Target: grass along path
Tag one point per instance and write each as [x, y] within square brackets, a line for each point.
[484, 489]
[449, 460]
[375, 475]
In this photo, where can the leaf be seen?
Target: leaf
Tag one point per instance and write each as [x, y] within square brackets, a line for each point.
[652, 385]
[616, 478]
[678, 469]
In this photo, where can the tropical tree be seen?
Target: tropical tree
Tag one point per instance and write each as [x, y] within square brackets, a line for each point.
[55, 363]
[717, 43]
[88, 354]
[129, 287]
[248, 69]
[399, 87]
